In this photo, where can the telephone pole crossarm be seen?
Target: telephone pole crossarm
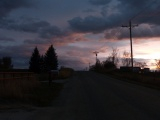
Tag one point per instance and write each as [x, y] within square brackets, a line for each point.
[96, 53]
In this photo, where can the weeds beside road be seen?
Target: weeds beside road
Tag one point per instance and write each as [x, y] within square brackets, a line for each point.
[28, 92]
[151, 80]
[31, 91]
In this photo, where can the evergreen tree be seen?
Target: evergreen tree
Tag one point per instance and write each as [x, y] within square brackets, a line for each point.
[42, 64]
[35, 61]
[50, 58]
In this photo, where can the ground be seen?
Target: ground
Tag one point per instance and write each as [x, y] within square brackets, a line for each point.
[92, 96]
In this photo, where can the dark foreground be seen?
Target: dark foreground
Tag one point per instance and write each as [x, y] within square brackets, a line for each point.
[92, 96]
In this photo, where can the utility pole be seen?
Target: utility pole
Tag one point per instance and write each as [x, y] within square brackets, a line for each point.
[96, 53]
[130, 30]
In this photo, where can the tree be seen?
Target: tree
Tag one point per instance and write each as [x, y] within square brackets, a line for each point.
[126, 60]
[50, 58]
[108, 65]
[140, 64]
[42, 64]
[97, 67]
[35, 61]
[6, 63]
[113, 57]
[157, 64]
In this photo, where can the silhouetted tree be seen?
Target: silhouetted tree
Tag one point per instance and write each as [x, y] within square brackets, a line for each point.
[35, 61]
[157, 64]
[113, 57]
[126, 59]
[50, 58]
[97, 67]
[42, 64]
[109, 65]
[6, 63]
[140, 64]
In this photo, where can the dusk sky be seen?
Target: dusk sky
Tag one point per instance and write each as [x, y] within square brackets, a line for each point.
[77, 28]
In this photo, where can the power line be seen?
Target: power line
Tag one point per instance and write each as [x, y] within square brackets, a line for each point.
[139, 13]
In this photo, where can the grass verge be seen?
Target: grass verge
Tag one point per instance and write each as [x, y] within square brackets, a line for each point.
[45, 94]
[151, 80]
[32, 92]
[21, 92]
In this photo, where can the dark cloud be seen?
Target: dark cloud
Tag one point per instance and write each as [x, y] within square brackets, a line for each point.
[50, 31]
[35, 42]
[116, 34]
[88, 24]
[141, 11]
[6, 39]
[141, 31]
[43, 28]
[28, 26]
[17, 51]
[6, 6]
[89, 10]
[99, 2]
[134, 3]
[114, 14]
[146, 31]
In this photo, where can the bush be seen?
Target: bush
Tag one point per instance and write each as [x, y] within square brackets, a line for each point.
[65, 72]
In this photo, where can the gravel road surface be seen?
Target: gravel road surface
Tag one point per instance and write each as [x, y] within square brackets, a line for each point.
[92, 96]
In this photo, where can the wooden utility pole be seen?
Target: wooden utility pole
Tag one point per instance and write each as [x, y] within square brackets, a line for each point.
[130, 30]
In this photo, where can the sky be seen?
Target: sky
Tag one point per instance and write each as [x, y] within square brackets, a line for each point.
[77, 28]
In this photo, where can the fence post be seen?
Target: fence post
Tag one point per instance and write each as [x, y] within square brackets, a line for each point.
[13, 75]
[4, 75]
[50, 78]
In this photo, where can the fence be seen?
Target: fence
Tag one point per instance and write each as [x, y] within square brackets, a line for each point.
[16, 75]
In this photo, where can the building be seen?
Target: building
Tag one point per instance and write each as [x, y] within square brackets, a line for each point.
[135, 69]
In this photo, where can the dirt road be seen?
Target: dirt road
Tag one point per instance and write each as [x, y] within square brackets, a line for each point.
[92, 96]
